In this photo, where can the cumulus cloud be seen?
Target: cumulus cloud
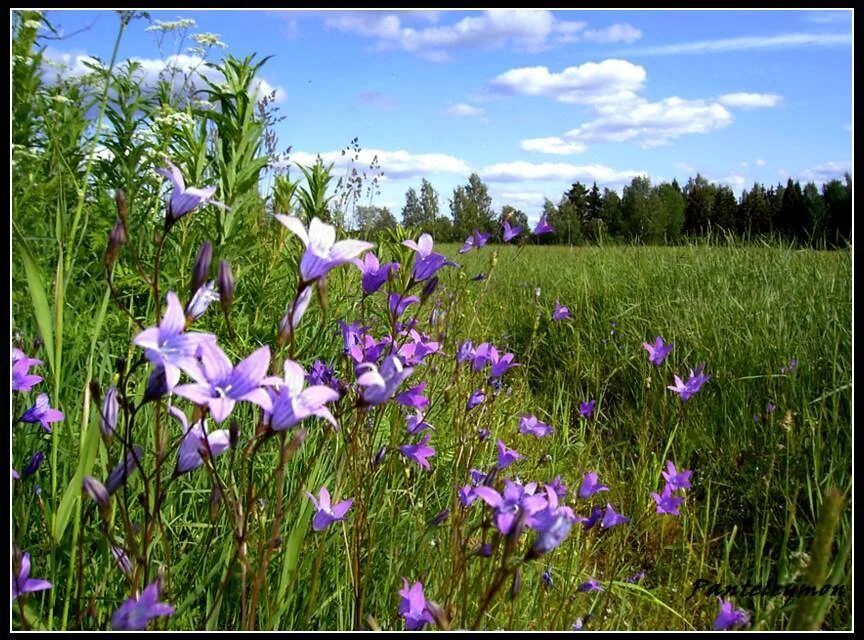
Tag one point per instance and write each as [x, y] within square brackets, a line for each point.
[760, 162]
[750, 100]
[520, 199]
[589, 83]
[825, 172]
[562, 171]
[747, 43]
[463, 110]
[529, 30]
[553, 145]
[395, 164]
[735, 182]
[177, 68]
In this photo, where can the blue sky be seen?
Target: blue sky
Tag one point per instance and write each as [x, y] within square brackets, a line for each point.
[534, 100]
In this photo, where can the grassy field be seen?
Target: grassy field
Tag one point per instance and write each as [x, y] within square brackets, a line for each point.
[767, 444]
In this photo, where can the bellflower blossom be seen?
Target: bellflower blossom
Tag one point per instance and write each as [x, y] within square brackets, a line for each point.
[322, 253]
[22, 379]
[184, 200]
[197, 442]
[42, 412]
[658, 351]
[686, 390]
[23, 583]
[291, 403]
[667, 503]
[136, 612]
[325, 514]
[590, 485]
[510, 232]
[612, 519]
[561, 312]
[475, 241]
[413, 607]
[529, 424]
[729, 617]
[676, 479]
[374, 274]
[419, 452]
[380, 384]
[509, 503]
[543, 226]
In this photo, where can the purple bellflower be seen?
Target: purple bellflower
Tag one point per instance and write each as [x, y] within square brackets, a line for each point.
[658, 351]
[197, 443]
[676, 479]
[543, 226]
[42, 412]
[667, 503]
[219, 386]
[561, 312]
[22, 379]
[474, 241]
[23, 583]
[529, 424]
[612, 519]
[416, 424]
[322, 253]
[374, 273]
[729, 617]
[509, 503]
[413, 607]
[510, 232]
[506, 456]
[398, 303]
[686, 390]
[184, 200]
[590, 485]
[380, 384]
[419, 452]
[136, 612]
[325, 514]
[291, 403]
[169, 347]
[590, 585]
[586, 409]
[477, 397]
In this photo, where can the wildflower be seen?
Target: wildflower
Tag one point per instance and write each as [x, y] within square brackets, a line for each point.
[529, 424]
[184, 200]
[201, 301]
[398, 303]
[590, 485]
[466, 495]
[23, 583]
[506, 456]
[414, 397]
[477, 397]
[694, 383]
[465, 352]
[546, 577]
[791, 367]
[291, 403]
[510, 232]
[22, 379]
[552, 534]
[590, 585]
[419, 452]
[558, 487]
[122, 560]
[676, 479]
[219, 386]
[440, 517]
[510, 503]
[416, 424]
[374, 274]
[108, 417]
[611, 519]
[380, 384]
[636, 577]
[596, 514]
[475, 241]
[770, 407]
[543, 226]
[413, 607]
[325, 515]
[561, 312]
[423, 246]
[42, 412]
[197, 442]
[136, 612]
[167, 346]
[121, 472]
[322, 253]
[34, 464]
[483, 434]
[201, 267]
[483, 355]
[658, 351]
[729, 617]
[291, 320]
[96, 490]
[667, 503]
[586, 409]
[501, 365]
[225, 282]
[426, 263]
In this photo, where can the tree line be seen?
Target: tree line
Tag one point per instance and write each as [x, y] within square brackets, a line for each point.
[664, 213]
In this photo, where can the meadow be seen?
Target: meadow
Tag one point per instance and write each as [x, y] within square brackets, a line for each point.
[241, 428]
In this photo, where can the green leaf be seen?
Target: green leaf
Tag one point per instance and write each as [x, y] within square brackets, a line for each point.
[36, 287]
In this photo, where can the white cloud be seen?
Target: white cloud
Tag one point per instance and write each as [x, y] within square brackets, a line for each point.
[750, 100]
[529, 30]
[463, 110]
[552, 145]
[828, 17]
[747, 43]
[616, 33]
[520, 170]
[589, 83]
[395, 164]
[178, 68]
[521, 198]
[825, 172]
[735, 182]
[761, 162]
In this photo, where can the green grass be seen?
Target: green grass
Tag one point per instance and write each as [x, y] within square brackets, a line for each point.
[757, 485]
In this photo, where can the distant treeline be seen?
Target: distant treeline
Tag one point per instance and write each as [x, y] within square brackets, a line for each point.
[662, 213]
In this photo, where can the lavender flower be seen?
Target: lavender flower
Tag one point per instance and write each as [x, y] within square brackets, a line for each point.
[380, 384]
[477, 397]
[136, 612]
[374, 274]
[612, 519]
[413, 607]
[42, 412]
[292, 403]
[558, 487]
[729, 617]
[552, 533]
[686, 390]
[529, 424]
[561, 312]
[543, 226]
[658, 351]
[426, 263]
[110, 407]
[590, 585]
[184, 200]
[22, 379]
[676, 479]
[508, 504]
[325, 514]
[398, 303]
[586, 409]
[506, 456]
[590, 485]
[465, 352]
[596, 514]
[322, 253]
[121, 472]
[501, 365]
[201, 301]
[197, 443]
[419, 452]
[475, 241]
[667, 503]
[96, 490]
[466, 495]
[168, 347]
[219, 386]
[23, 583]
[34, 464]
[510, 232]
[416, 424]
